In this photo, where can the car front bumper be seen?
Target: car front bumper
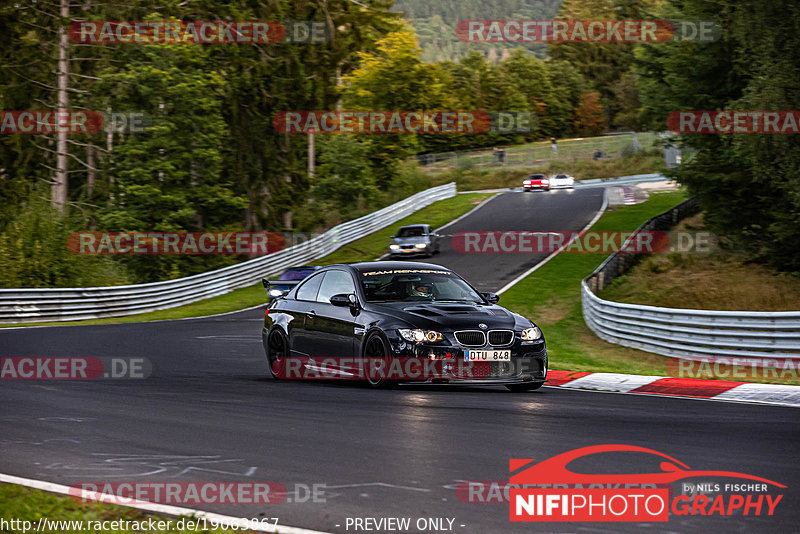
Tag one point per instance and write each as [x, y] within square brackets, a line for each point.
[409, 252]
[528, 363]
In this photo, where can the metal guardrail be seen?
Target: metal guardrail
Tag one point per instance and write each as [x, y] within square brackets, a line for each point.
[55, 304]
[685, 333]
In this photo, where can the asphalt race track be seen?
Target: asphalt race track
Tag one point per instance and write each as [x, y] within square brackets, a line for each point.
[537, 211]
[208, 413]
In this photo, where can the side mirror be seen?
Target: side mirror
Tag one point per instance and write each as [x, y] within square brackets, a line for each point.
[344, 300]
[493, 298]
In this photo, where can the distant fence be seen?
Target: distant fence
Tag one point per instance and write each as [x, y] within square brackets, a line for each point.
[685, 333]
[536, 154]
[40, 305]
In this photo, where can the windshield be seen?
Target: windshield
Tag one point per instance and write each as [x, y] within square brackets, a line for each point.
[411, 231]
[536, 176]
[413, 285]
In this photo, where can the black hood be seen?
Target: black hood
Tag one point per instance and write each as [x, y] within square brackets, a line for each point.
[449, 315]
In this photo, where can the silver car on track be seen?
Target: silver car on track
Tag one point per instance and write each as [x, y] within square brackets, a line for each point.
[414, 240]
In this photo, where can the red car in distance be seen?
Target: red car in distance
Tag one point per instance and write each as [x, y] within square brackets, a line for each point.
[536, 182]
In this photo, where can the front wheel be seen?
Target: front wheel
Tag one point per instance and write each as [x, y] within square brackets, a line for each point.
[376, 350]
[520, 388]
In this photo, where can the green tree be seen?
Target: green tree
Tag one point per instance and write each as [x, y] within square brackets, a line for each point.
[344, 183]
[169, 177]
[604, 64]
[394, 78]
[747, 184]
[568, 85]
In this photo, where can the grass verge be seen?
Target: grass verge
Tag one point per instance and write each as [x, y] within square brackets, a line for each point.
[20, 504]
[367, 248]
[716, 280]
[551, 297]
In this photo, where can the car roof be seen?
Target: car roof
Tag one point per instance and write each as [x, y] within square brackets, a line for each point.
[414, 226]
[303, 268]
[365, 266]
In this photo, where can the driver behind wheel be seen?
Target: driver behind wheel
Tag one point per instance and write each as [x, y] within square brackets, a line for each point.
[419, 289]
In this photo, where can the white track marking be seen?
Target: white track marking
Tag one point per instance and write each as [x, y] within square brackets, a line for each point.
[160, 508]
[764, 393]
[611, 382]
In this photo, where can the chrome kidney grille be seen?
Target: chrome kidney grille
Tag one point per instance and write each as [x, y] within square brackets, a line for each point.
[498, 338]
[477, 338]
[471, 338]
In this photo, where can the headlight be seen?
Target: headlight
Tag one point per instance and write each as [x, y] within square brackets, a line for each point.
[531, 334]
[418, 336]
[394, 247]
[421, 245]
[275, 293]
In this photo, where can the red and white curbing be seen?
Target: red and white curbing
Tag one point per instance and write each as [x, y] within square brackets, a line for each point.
[721, 390]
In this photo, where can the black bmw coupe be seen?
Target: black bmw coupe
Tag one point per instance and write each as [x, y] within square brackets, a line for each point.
[394, 322]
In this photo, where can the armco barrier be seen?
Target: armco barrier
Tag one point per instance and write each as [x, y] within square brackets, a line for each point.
[40, 305]
[685, 333]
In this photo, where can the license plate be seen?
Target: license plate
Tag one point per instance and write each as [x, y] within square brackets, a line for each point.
[487, 355]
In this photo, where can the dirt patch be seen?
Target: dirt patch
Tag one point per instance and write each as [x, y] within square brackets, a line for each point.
[552, 312]
[666, 185]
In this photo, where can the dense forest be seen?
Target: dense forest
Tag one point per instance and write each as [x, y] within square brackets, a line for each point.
[435, 24]
[210, 158]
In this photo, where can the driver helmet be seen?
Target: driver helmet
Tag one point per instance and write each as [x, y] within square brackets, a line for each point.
[420, 289]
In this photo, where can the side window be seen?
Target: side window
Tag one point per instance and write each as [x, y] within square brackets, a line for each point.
[335, 283]
[308, 289]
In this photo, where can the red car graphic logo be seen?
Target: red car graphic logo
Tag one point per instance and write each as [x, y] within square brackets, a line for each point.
[554, 470]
